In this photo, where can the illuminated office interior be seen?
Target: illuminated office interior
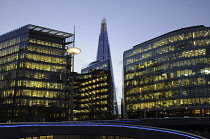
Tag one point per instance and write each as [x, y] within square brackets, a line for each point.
[33, 79]
[93, 96]
[169, 76]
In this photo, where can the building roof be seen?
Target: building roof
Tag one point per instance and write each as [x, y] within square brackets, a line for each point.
[182, 29]
[49, 31]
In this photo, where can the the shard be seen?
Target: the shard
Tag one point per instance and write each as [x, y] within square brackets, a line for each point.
[104, 61]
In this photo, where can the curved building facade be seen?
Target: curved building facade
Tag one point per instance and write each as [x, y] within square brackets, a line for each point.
[169, 76]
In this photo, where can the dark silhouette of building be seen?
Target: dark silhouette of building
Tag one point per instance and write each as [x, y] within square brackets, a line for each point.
[33, 78]
[168, 76]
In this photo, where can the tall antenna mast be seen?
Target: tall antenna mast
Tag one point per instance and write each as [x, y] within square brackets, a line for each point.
[74, 37]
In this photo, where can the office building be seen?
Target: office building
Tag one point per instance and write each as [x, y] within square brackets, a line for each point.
[33, 79]
[169, 76]
[103, 67]
[94, 96]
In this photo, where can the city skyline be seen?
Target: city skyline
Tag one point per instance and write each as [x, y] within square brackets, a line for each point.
[129, 23]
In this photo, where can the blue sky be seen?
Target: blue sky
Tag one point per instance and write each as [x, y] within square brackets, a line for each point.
[129, 22]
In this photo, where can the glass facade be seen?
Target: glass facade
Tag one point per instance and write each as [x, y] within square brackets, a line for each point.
[33, 78]
[93, 96]
[169, 76]
[104, 61]
[103, 43]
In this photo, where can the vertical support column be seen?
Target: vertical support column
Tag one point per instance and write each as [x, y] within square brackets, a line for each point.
[72, 97]
[174, 112]
[145, 113]
[156, 113]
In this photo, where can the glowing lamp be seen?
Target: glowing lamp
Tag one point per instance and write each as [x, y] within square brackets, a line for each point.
[73, 50]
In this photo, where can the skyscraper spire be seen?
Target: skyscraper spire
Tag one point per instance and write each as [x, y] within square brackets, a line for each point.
[104, 54]
[104, 62]
[103, 44]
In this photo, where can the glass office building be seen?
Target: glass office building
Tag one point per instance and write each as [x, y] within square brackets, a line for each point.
[33, 79]
[93, 96]
[104, 61]
[169, 76]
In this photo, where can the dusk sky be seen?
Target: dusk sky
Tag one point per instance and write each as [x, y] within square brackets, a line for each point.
[129, 22]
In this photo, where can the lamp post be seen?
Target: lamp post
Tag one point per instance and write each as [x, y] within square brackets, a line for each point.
[73, 51]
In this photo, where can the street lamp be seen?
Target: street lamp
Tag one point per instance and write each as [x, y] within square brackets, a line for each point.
[73, 51]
